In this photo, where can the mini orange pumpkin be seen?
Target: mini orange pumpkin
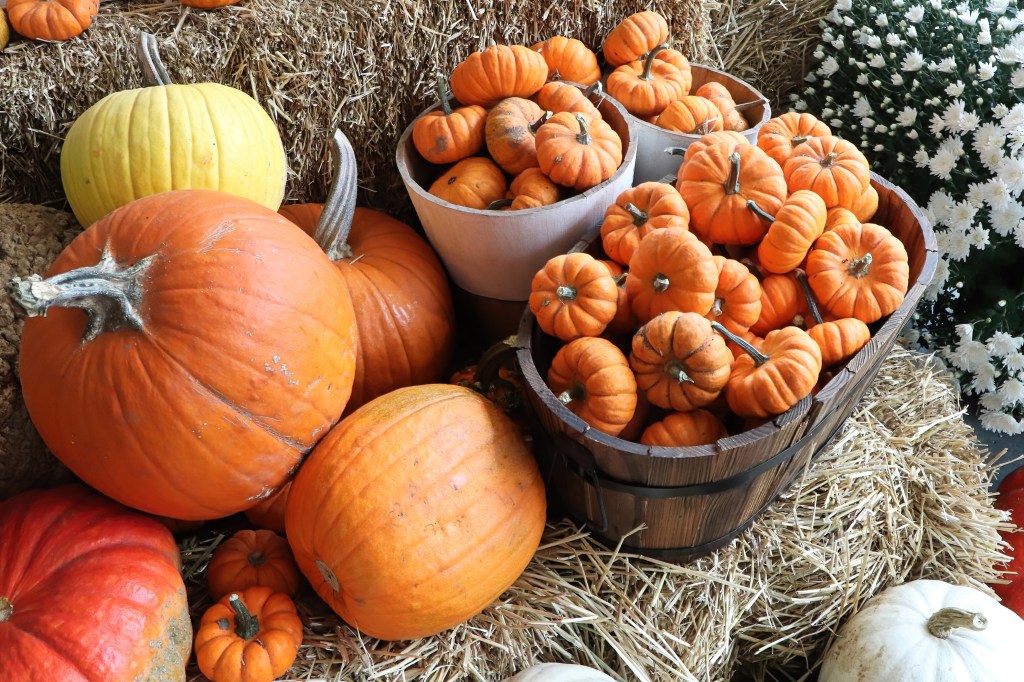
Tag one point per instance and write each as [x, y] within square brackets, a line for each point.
[737, 303]
[496, 72]
[51, 19]
[671, 270]
[448, 135]
[252, 557]
[832, 167]
[625, 321]
[573, 295]
[692, 115]
[569, 59]
[717, 183]
[680, 363]
[799, 222]
[531, 189]
[865, 207]
[768, 381]
[729, 138]
[592, 378]
[782, 304]
[558, 96]
[859, 271]
[838, 215]
[578, 151]
[685, 429]
[838, 340]
[634, 36]
[782, 134]
[646, 88]
[249, 636]
[511, 133]
[638, 211]
[475, 182]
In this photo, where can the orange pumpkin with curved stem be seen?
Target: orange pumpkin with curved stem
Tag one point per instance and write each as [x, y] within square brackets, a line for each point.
[748, 336]
[717, 183]
[737, 297]
[831, 167]
[671, 270]
[838, 340]
[782, 134]
[592, 378]
[496, 72]
[679, 362]
[859, 271]
[448, 135]
[646, 88]
[558, 96]
[625, 321]
[799, 222]
[685, 429]
[573, 295]
[531, 189]
[512, 126]
[782, 304]
[252, 635]
[475, 182]
[269, 513]
[692, 115]
[577, 151]
[634, 36]
[637, 212]
[252, 557]
[768, 381]
[51, 19]
[569, 59]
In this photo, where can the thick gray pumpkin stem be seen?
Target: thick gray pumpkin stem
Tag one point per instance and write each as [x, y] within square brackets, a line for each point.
[109, 294]
[153, 70]
[336, 219]
[942, 623]
[247, 625]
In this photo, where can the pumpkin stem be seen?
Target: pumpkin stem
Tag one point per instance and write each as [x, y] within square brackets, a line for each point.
[801, 277]
[829, 160]
[716, 307]
[649, 62]
[539, 122]
[743, 106]
[257, 558]
[595, 89]
[498, 204]
[153, 70]
[704, 127]
[942, 623]
[732, 183]
[336, 218]
[443, 93]
[6, 609]
[798, 140]
[109, 294]
[577, 392]
[246, 624]
[761, 213]
[860, 267]
[759, 357]
[660, 283]
[639, 217]
[566, 293]
[677, 372]
[584, 135]
[675, 151]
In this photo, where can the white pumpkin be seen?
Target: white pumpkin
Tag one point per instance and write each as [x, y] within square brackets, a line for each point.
[927, 631]
[560, 672]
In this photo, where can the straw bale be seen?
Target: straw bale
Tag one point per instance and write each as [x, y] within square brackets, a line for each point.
[365, 66]
[901, 494]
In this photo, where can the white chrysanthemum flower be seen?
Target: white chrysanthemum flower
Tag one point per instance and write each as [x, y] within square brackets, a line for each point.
[907, 117]
[969, 121]
[946, 65]
[964, 331]
[957, 245]
[978, 237]
[997, 7]
[953, 145]
[862, 79]
[1011, 171]
[874, 42]
[893, 40]
[936, 4]
[986, 70]
[1014, 361]
[915, 14]
[970, 356]
[828, 67]
[969, 17]
[936, 125]
[913, 61]
[996, 194]
[955, 89]
[940, 204]
[1011, 392]
[1000, 110]
[861, 107]
[800, 105]
[867, 123]
[921, 158]
[839, 43]
[826, 112]
[910, 32]
[1000, 422]
[991, 158]
[984, 38]
[844, 5]
[1017, 79]
[896, 79]
[1018, 234]
[988, 135]
[1014, 118]
[1004, 219]
[912, 134]
[848, 21]
[1008, 54]
[991, 402]
[1001, 344]
[976, 194]
[882, 129]
[881, 21]
[961, 216]
[833, 16]
[877, 61]
[985, 378]
[939, 280]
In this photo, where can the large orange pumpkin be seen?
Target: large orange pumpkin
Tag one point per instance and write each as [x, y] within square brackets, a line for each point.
[51, 19]
[88, 591]
[403, 304]
[416, 511]
[216, 348]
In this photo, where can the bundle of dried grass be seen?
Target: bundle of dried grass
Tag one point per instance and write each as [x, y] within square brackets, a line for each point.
[366, 67]
[769, 42]
[901, 494]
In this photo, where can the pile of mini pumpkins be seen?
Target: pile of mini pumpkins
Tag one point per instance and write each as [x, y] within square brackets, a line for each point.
[734, 291]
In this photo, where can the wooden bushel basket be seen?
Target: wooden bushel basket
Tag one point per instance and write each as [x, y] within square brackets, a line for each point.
[692, 500]
[494, 254]
[653, 163]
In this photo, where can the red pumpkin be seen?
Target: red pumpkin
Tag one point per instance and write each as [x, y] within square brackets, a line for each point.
[403, 304]
[1011, 499]
[225, 351]
[89, 590]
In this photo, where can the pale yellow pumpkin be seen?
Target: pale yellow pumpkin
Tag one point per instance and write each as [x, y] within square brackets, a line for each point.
[134, 143]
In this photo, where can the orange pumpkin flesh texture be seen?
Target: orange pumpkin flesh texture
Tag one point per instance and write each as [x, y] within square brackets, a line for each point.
[569, 59]
[685, 429]
[638, 211]
[93, 591]
[496, 72]
[51, 19]
[475, 182]
[404, 315]
[592, 378]
[531, 189]
[244, 359]
[252, 557]
[800, 221]
[417, 511]
[692, 115]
